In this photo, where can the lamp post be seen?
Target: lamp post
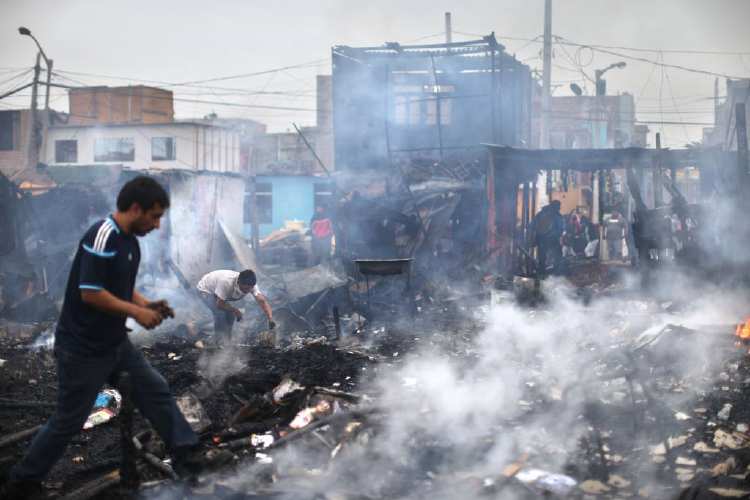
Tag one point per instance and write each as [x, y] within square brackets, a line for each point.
[27, 32]
[32, 159]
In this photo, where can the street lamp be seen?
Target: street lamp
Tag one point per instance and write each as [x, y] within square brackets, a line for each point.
[24, 31]
[601, 85]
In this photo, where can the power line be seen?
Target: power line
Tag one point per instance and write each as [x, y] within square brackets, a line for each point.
[632, 49]
[317, 62]
[650, 61]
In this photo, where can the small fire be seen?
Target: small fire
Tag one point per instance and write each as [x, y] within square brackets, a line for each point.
[743, 330]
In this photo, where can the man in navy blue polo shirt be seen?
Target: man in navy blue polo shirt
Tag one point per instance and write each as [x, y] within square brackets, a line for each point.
[91, 342]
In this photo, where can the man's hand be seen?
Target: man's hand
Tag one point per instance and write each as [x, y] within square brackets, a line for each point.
[162, 307]
[237, 314]
[271, 324]
[146, 317]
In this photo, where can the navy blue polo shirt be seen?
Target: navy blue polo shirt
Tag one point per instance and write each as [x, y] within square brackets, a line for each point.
[107, 259]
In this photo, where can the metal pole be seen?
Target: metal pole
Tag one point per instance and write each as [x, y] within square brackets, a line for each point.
[50, 63]
[657, 175]
[438, 118]
[33, 152]
[742, 152]
[546, 75]
[493, 97]
[448, 29]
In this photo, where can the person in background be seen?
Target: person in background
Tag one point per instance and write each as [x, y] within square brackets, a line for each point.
[92, 345]
[614, 233]
[548, 227]
[321, 228]
[218, 288]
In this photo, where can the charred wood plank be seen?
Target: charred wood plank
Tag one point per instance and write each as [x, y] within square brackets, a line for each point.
[93, 488]
[332, 419]
[18, 436]
[347, 396]
[154, 461]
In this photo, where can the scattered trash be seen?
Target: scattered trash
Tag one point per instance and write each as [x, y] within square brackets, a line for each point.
[702, 447]
[2, 362]
[194, 412]
[593, 487]
[262, 440]
[686, 461]
[78, 459]
[684, 475]
[199, 344]
[285, 388]
[106, 407]
[733, 441]
[725, 411]
[681, 416]
[618, 481]
[542, 481]
[307, 415]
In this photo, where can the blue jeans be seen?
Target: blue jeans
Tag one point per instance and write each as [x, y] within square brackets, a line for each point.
[80, 378]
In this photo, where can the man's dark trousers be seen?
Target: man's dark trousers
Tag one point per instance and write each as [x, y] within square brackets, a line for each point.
[80, 378]
[549, 246]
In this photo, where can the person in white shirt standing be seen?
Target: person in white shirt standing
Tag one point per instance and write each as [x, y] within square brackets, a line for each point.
[218, 288]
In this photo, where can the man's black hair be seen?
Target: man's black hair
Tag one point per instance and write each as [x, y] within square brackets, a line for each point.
[247, 278]
[144, 191]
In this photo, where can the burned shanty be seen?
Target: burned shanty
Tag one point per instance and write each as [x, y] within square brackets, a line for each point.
[461, 265]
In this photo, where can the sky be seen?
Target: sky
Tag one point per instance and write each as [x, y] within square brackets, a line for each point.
[169, 41]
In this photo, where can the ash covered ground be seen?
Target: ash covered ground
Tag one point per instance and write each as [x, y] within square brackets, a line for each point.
[597, 392]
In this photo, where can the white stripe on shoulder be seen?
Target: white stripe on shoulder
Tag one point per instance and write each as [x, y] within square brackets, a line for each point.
[102, 236]
[100, 233]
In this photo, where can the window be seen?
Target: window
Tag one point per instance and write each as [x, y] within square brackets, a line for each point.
[323, 195]
[414, 105]
[263, 202]
[66, 151]
[114, 149]
[9, 123]
[163, 148]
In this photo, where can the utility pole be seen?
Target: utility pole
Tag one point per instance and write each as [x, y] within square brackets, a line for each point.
[658, 179]
[49, 78]
[546, 75]
[33, 152]
[448, 28]
[742, 153]
[716, 101]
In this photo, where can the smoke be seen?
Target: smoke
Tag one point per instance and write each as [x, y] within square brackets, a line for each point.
[523, 384]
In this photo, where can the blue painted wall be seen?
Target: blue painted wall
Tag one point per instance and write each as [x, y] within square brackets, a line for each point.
[293, 198]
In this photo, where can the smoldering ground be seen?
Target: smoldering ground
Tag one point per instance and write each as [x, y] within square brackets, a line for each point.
[530, 383]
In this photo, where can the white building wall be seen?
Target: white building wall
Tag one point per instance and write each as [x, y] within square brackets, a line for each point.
[198, 147]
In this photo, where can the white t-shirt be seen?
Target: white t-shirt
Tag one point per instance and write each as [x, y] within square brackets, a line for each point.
[223, 283]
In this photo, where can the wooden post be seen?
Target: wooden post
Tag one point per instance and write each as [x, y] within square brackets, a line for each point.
[657, 175]
[742, 153]
[438, 118]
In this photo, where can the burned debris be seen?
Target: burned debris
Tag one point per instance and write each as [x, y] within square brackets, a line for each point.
[470, 287]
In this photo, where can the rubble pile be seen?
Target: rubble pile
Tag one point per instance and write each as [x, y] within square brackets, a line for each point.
[651, 408]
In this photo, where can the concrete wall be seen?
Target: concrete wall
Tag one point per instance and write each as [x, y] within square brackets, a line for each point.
[198, 147]
[293, 198]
